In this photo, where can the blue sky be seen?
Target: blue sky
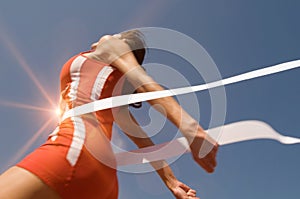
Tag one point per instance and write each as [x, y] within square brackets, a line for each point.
[239, 35]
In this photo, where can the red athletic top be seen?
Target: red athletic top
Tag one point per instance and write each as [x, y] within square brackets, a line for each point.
[84, 80]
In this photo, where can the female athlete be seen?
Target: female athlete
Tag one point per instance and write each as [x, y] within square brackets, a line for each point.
[77, 162]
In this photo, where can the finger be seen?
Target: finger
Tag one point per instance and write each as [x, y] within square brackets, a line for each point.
[193, 197]
[211, 163]
[184, 187]
[204, 165]
[191, 193]
[210, 159]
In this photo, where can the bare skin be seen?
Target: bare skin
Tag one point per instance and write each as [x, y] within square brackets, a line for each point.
[18, 183]
[128, 124]
[116, 52]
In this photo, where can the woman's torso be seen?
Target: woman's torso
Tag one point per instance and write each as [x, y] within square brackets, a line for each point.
[84, 80]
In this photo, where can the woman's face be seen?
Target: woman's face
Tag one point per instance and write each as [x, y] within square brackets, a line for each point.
[105, 38]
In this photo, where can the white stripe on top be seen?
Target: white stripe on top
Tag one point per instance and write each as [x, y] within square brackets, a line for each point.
[77, 140]
[79, 128]
[75, 76]
[100, 81]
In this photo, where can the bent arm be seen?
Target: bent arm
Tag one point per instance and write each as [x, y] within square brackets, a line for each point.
[128, 124]
[203, 147]
[131, 128]
[169, 107]
[118, 54]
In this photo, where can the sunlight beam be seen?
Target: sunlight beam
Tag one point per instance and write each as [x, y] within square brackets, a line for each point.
[7, 41]
[23, 106]
[29, 143]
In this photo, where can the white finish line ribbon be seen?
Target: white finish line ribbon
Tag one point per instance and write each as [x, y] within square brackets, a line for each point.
[122, 100]
[231, 133]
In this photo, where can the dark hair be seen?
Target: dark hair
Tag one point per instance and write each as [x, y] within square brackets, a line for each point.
[135, 40]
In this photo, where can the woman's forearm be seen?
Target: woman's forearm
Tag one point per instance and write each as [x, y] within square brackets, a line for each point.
[169, 107]
[165, 172]
[142, 82]
[131, 128]
[118, 54]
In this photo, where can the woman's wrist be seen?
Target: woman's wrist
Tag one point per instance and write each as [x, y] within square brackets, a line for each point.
[171, 182]
[192, 130]
[165, 173]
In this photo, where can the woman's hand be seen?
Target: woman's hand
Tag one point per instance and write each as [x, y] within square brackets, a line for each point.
[204, 150]
[182, 191]
[116, 52]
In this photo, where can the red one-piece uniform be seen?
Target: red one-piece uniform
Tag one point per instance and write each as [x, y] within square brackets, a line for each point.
[77, 161]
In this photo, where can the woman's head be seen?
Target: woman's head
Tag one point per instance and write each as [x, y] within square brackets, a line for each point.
[135, 40]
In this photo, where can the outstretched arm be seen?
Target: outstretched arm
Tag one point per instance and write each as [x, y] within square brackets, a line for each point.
[117, 53]
[131, 128]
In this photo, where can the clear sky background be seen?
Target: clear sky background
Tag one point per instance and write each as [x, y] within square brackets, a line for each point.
[239, 35]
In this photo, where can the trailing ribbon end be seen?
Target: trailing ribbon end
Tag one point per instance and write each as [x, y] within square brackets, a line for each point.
[289, 140]
[227, 134]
